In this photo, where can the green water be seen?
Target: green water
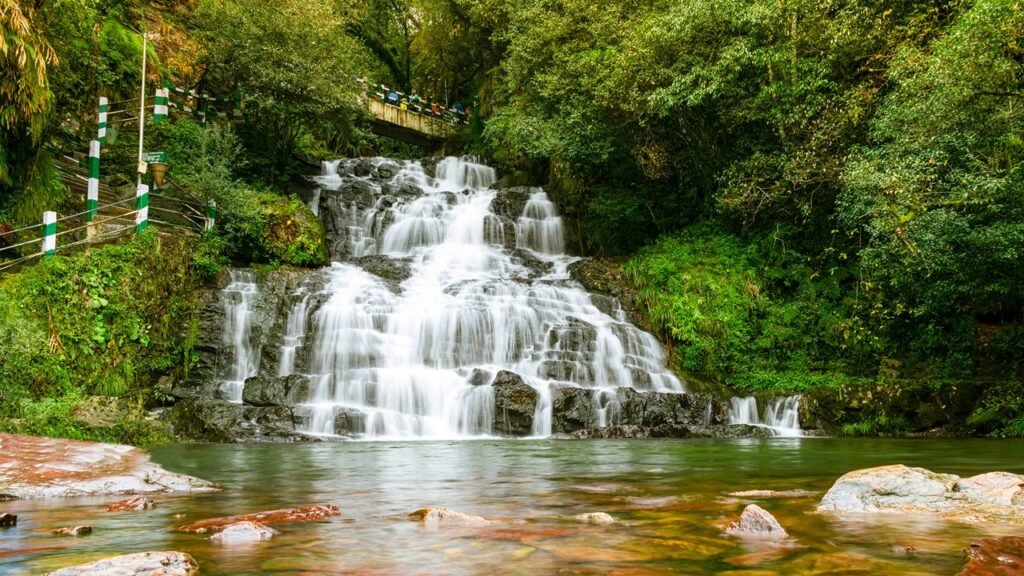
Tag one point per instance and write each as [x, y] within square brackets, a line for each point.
[670, 499]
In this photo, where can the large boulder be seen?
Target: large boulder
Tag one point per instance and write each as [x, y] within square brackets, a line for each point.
[899, 488]
[276, 390]
[221, 421]
[140, 564]
[515, 403]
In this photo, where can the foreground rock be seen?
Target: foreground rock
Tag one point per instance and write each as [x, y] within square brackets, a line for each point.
[995, 557]
[8, 520]
[243, 532]
[141, 564]
[32, 467]
[515, 403]
[283, 516]
[995, 496]
[437, 517]
[756, 522]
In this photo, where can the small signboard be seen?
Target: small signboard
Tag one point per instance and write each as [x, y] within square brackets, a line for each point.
[151, 157]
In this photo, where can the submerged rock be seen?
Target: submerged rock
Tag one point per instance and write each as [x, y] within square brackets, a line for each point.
[515, 403]
[136, 504]
[995, 557]
[899, 488]
[774, 494]
[435, 517]
[72, 531]
[270, 517]
[243, 532]
[140, 564]
[33, 467]
[595, 518]
[756, 522]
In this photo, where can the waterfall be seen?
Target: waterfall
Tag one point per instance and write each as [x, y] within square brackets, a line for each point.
[401, 357]
[781, 415]
[238, 298]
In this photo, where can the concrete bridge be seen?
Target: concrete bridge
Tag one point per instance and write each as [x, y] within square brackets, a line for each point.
[409, 126]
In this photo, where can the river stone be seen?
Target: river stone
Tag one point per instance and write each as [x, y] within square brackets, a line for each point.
[437, 517]
[508, 203]
[387, 170]
[7, 520]
[72, 531]
[34, 467]
[140, 564]
[276, 390]
[995, 557]
[515, 403]
[756, 522]
[134, 504]
[243, 532]
[595, 518]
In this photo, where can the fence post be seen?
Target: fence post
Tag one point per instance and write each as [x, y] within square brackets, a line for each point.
[142, 208]
[163, 96]
[211, 215]
[102, 120]
[49, 233]
[92, 200]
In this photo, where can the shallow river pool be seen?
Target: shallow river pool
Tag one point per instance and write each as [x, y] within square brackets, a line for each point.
[670, 500]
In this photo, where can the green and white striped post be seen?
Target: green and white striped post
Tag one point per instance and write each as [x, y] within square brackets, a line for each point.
[102, 120]
[211, 215]
[92, 200]
[163, 96]
[141, 208]
[49, 233]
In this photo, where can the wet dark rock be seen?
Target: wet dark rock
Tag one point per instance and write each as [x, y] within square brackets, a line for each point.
[141, 564]
[572, 409]
[627, 431]
[362, 167]
[393, 270]
[387, 170]
[661, 408]
[756, 522]
[429, 164]
[995, 557]
[515, 403]
[508, 203]
[349, 422]
[220, 421]
[528, 259]
[276, 390]
[480, 377]
[8, 520]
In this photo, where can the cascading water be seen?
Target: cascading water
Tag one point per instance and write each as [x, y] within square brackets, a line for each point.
[781, 415]
[404, 358]
[238, 298]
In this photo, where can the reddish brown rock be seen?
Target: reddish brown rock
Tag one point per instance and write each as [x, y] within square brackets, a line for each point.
[995, 557]
[133, 504]
[33, 467]
[8, 520]
[72, 531]
[270, 517]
